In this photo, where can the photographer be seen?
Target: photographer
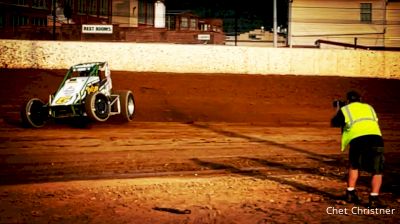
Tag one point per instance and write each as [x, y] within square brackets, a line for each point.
[360, 130]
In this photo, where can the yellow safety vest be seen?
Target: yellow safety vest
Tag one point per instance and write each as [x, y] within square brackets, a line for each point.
[360, 119]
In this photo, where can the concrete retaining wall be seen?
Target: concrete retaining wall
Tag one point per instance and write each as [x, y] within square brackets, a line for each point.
[200, 58]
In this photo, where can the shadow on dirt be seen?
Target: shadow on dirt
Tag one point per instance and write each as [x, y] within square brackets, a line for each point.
[293, 169]
[262, 141]
[13, 119]
[256, 174]
[391, 181]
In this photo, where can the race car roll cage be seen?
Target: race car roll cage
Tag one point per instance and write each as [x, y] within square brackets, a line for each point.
[77, 108]
[84, 92]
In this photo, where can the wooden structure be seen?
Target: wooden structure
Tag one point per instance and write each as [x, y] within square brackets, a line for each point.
[372, 23]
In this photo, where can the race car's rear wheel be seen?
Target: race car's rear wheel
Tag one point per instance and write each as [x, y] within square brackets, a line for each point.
[97, 106]
[127, 105]
[34, 113]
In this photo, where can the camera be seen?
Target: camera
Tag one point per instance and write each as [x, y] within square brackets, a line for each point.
[338, 104]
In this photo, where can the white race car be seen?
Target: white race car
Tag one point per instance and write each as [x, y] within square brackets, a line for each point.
[86, 91]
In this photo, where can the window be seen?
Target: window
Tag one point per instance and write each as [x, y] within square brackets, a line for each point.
[81, 6]
[193, 24]
[150, 13]
[39, 21]
[366, 12]
[23, 20]
[146, 12]
[39, 4]
[21, 2]
[92, 7]
[142, 12]
[20, 20]
[171, 22]
[184, 23]
[103, 7]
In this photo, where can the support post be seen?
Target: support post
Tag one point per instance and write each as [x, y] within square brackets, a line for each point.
[275, 25]
[54, 19]
[289, 32]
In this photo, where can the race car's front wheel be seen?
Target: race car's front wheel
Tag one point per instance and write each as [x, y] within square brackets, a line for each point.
[97, 106]
[127, 105]
[34, 113]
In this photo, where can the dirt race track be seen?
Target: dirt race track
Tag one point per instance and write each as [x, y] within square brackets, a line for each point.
[201, 149]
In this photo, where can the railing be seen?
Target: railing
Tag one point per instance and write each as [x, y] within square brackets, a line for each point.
[355, 45]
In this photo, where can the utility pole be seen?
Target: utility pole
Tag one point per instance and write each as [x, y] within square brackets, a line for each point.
[236, 22]
[236, 27]
[289, 31]
[275, 25]
[54, 19]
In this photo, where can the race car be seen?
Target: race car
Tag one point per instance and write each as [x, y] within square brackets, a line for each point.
[86, 91]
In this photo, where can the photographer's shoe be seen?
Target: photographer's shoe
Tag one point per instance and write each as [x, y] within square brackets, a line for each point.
[351, 197]
[375, 202]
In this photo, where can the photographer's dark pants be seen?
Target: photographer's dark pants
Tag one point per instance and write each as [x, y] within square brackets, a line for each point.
[366, 153]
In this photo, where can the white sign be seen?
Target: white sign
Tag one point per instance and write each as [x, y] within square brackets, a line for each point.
[203, 37]
[102, 29]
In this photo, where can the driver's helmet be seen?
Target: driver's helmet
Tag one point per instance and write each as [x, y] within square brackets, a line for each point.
[83, 73]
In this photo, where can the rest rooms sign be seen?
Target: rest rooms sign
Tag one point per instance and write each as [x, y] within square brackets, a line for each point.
[102, 29]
